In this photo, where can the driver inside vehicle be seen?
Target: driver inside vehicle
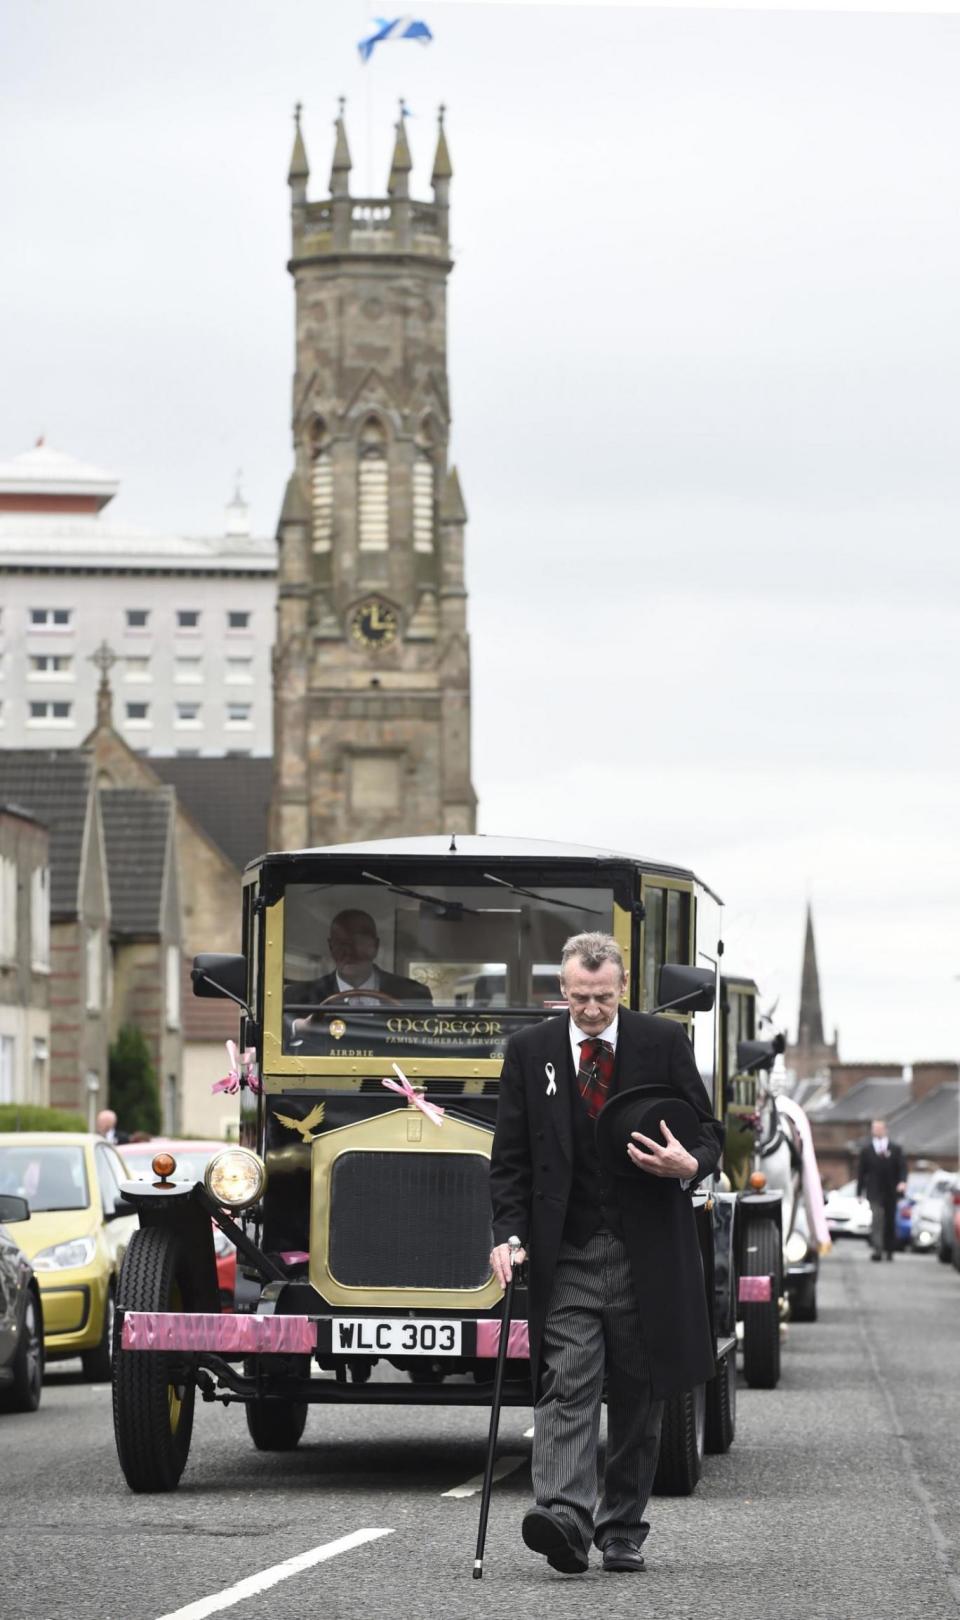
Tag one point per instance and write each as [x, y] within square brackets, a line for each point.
[357, 979]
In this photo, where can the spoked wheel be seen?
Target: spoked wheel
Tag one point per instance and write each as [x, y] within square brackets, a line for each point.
[761, 1318]
[680, 1463]
[152, 1415]
[277, 1425]
[721, 1415]
[23, 1394]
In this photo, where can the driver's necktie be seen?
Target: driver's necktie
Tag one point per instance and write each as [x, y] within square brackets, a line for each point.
[595, 1074]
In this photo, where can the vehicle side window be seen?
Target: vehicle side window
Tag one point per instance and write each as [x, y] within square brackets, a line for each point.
[108, 1175]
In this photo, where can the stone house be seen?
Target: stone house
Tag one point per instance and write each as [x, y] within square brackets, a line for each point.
[58, 787]
[24, 957]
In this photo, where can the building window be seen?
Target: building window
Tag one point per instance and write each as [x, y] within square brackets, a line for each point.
[188, 671]
[188, 714]
[44, 666]
[8, 1060]
[138, 618]
[8, 908]
[94, 969]
[40, 919]
[188, 753]
[173, 987]
[137, 669]
[50, 618]
[188, 618]
[239, 714]
[138, 714]
[238, 619]
[423, 501]
[50, 714]
[373, 520]
[239, 671]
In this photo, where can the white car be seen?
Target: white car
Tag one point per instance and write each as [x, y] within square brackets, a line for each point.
[847, 1215]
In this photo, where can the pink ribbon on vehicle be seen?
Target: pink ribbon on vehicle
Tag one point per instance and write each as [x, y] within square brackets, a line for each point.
[812, 1190]
[415, 1098]
[241, 1071]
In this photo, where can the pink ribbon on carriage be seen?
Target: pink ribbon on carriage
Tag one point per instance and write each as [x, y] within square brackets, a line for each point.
[415, 1098]
[241, 1071]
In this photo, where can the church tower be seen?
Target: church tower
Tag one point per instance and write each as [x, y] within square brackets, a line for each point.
[811, 1055]
[371, 666]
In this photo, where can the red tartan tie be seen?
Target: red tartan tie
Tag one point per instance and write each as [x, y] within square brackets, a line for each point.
[595, 1073]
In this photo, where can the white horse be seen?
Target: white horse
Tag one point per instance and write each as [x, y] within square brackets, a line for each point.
[785, 1154]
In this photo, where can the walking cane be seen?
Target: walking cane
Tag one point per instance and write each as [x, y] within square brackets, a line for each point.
[495, 1413]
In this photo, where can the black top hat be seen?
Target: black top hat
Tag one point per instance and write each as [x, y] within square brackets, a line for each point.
[641, 1108]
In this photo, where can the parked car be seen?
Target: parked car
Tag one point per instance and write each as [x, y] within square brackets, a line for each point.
[948, 1236]
[192, 1159]
[75, 1238]
[21, 1316]
[926, 1219]
[847, 1215]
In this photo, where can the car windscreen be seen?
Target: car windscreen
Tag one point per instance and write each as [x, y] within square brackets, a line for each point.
[372, 966]
[48, 1177]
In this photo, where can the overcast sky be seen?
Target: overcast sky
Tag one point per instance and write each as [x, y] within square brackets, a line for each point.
[705, 370]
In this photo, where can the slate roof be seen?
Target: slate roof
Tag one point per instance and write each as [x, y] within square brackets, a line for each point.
[54, 785]
[228, 797]
[869, 1099]
[136, 831]
[930, 1126]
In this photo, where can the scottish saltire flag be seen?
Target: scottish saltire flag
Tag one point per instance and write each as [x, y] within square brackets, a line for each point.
[395, 28]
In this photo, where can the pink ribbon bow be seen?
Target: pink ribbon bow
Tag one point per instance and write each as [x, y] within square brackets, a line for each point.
[241, 1071]
[415, 1098]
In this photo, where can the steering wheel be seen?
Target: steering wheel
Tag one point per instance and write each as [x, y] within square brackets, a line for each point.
[368, 995]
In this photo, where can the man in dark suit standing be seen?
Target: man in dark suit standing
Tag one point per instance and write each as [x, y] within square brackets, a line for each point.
[882, 1177]
[615, 1277]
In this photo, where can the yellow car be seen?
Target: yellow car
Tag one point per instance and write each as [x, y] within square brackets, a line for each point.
[75, 1237]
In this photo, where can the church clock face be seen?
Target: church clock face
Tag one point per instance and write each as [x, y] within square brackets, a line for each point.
[373, 624]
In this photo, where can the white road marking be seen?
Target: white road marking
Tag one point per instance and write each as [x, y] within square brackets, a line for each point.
[271, 1577]
[506, 1465]
[528, 1433]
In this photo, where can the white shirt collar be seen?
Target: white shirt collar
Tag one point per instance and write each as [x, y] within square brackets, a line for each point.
[577, 1035]
[372, 982]
[880, 1144]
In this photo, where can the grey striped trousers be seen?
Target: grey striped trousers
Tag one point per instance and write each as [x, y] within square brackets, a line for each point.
[593, 1325]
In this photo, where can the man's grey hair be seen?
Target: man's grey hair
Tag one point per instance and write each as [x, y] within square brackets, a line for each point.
[592, 950]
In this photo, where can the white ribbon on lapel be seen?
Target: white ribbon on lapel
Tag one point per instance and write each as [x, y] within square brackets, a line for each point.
[551, 1075]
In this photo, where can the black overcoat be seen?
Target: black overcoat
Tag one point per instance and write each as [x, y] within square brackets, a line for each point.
[531, 1173]
[879, 1176]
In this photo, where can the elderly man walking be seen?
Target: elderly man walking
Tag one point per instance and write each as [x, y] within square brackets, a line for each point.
[616, 1283]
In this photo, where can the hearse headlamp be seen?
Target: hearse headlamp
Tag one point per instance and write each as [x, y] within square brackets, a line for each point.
[235, 1178]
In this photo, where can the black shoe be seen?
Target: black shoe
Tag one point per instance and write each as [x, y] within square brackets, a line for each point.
[557, 1539]
[623, 1557]
[889, 1255]
[876, 1255]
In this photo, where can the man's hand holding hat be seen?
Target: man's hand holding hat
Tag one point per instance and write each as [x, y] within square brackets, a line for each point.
[657, 1159]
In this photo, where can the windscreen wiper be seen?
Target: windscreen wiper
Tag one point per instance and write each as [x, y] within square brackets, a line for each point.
[548, 899]
[447, 909]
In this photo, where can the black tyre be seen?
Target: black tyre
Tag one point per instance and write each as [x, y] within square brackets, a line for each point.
[680, 1462]
[720, 1421]
[98, 1362]
[944, 1253]
[152, 1416]
[23, 1394]
[277, 1425]
[761, 1319]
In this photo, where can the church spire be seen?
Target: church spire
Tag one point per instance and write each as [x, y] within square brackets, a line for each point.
[442, 167]
[340, 172]
[399, 183]
[810, 1021]
[298, 164]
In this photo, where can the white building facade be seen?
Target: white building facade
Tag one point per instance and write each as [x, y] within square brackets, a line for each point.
[188, 623]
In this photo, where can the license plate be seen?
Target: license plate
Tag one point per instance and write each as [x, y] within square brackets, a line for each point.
[366, 1335]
